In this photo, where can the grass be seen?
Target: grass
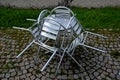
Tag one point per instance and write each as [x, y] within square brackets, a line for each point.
[89, 18]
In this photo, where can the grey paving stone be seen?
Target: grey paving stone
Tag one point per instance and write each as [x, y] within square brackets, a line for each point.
[30, 70]
[27, 66]
[91, 76]
[32, 77]
[109, 70]
[17, 78]
[43, 78]
[115, 71]
[7, 75]
[12, 70]
[99, 78]
[69, 77]
[108, 78]
[13, 73]
[39, 79]
[4, 79]
[75, 76]
[52, 76]
[11, 78]
[2, 75]
[39, 75]
[96, 74]
[47, 75]
[105, 73]
[28, 78]
[84, 73]
[87, 78]
[19, 73]
[64, 77]
[23, 68]
[24, 71]
[26, 63]
[28, 74]
[101, 58]
[22, 77]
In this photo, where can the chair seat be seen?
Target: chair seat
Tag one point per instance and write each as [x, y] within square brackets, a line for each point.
[43, 45]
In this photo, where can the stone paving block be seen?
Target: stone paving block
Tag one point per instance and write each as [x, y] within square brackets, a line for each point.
[99, 78]
[87, 78]
[91, 76]
[4, 79]
[76, 76]
[11, 78]
[108, 78]
[32, 77]
[28, 78]
[39, 79]
[2, 75]
[96, 74]
[22, 76]
[115, 71]
[30, 70]
[13, 73]
[43, 78]
[28, 74]
[17, 78]
[7, 75]
[19, 73]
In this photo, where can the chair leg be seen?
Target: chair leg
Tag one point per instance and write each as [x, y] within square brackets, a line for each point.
[85, 49]
[25, 49]
[60, 61]
[73, 51]
[49, 60]
[37, 55]
[94, 48]
[75, 60]
[96, 34]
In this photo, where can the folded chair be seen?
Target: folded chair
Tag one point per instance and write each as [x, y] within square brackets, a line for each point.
[61, 40]
[63, 15]
[78, 37]
[81, 35]
[34, 29]
[51, 29]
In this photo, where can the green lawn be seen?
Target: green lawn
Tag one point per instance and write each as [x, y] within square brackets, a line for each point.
[89, 18]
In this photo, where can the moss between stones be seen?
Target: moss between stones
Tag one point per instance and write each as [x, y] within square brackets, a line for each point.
[115, 54]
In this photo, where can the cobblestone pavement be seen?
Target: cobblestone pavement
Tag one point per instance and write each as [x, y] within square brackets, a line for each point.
[96, 65]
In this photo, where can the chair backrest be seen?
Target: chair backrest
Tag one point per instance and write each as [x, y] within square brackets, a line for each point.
[62, 11]
[43, 13]
[53, 30]
[35, 28]
[77, 28]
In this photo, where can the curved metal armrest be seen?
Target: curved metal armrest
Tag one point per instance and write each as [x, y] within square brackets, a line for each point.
[31, 19]
[42, 15]
[62, 7]
[20, 28]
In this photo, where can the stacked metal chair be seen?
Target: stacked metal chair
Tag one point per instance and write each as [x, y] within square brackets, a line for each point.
[44, 31]
[80, 35]
[63, 15]
[58, 31]
[34, 29]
